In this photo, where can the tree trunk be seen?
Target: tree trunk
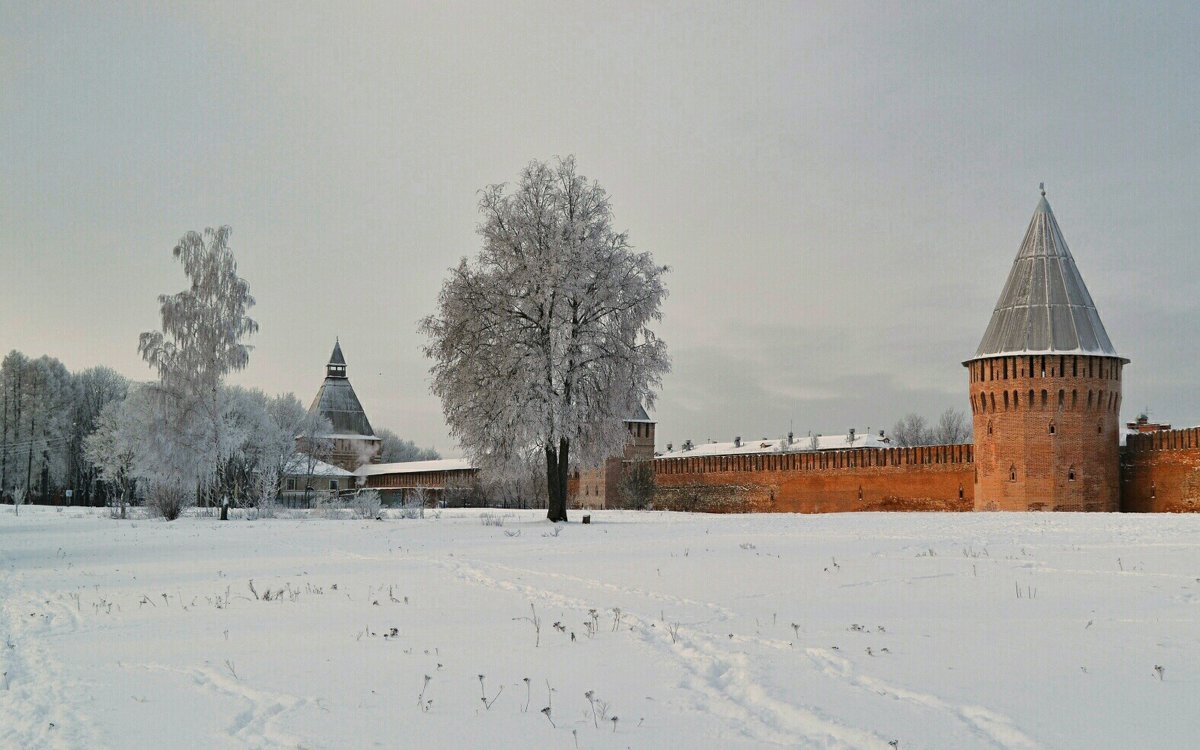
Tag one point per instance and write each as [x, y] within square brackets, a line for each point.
[557, 462]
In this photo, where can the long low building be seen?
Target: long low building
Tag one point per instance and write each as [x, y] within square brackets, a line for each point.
[447, 480]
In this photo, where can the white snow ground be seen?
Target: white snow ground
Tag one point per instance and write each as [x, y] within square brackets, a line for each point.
[838, 631]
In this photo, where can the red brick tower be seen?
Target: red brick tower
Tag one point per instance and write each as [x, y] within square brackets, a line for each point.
[1046, 387]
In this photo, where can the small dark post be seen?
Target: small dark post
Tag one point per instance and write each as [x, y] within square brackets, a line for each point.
[587, 519]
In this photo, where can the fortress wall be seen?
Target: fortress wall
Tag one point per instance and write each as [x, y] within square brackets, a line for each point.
[1160, 472]
[928, 478]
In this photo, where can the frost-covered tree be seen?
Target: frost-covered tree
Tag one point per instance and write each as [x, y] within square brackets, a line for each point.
[201, 341]
[93, 389]
[543, 343]
[396, 449]
[119, 440]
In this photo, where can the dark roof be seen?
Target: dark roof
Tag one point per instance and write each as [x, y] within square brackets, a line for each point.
[337, 402]
[336, 358]
[1045, 307]
[640, 415]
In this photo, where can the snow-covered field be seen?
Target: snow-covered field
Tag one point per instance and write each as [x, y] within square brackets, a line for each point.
[656, 631]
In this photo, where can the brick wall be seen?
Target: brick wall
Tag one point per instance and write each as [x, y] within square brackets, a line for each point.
[1046, 432]
[1160, 472]
[929, 478]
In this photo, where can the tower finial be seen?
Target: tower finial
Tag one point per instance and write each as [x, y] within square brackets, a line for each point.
[1042, 187]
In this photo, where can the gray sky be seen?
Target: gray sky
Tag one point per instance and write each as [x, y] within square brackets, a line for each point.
[839, 190]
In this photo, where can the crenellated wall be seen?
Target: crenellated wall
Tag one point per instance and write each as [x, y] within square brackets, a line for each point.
[1160, 472]
[929, 478]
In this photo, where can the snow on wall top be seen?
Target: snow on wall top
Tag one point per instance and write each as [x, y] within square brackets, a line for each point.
[1045, 308]
[778, 445]
[412, 467]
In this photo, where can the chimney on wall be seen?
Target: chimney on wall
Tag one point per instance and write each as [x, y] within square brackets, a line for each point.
[737, 442]
[791, 436]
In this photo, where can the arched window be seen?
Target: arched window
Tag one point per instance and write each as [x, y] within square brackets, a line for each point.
[1100, 427]
[1032, 403]
[1051, 426]
[1006, 401]
[1016, 400]
[1089, 406]
[989, 427]
[1071, 474]
[993, 402]
[1045, 398]
[1062, 398]
[1012, 473]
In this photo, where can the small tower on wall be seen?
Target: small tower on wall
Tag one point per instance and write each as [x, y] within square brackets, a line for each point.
[1045, 387]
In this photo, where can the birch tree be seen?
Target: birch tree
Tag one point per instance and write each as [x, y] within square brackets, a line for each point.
[543, 343]
[200, 342]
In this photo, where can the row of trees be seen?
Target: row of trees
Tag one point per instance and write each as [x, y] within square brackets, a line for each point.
[46, 412]
[186, 436]
[951, 428]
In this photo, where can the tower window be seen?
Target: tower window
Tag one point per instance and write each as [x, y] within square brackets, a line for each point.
[1051, 427]
[1071, 474]
[1012, 473]
[1045, 398]
[989, 427]
[1062, 397]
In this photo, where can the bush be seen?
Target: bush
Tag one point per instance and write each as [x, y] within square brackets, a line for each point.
[365, 504]
[166, 499]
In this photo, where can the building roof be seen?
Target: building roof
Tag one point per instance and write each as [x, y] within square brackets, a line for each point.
[413, 467]
[1045, 307]
[336, 357]
[640, 415]
[298, 466]
[778, 445]
[337, 401]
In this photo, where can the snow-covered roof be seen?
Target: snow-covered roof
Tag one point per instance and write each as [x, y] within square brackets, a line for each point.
[640, 415]
[777, 445]
[1045, 307]
[347, 436]
[298, 466]
[412, 467]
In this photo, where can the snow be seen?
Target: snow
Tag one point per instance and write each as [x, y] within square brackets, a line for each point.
[778, 445]
[412, 467]
[834, 631]
[299, 465]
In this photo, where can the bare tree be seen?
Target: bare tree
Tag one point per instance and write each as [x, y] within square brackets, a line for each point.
[952, 428]
[911, 430]
[544, 344]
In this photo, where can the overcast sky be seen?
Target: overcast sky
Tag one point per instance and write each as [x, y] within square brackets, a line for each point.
[839, 190]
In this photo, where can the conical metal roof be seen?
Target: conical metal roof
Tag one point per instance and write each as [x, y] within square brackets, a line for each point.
[337, 401]
[336, 358]
[1045, 307]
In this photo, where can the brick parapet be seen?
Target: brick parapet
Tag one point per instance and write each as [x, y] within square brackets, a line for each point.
[862, 479]
[1160, 472]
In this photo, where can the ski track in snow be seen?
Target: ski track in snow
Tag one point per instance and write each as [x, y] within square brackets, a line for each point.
[256, 724]
[989, 725]
[38, 706]
[722, 680]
